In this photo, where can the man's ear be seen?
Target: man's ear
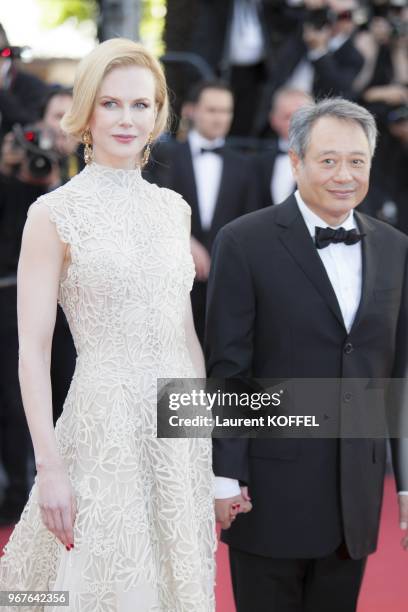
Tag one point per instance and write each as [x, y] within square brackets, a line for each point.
[295, 162]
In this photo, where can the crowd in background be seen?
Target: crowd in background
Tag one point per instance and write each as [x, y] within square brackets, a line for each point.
[227, 153]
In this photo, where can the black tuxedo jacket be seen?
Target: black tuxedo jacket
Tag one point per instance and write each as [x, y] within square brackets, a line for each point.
[265, 167]
[237, 195]
[272, 313]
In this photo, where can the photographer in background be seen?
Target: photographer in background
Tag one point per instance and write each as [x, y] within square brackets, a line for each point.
[320, 58]
[34, 160]
[383, 88]
[21, 94]
[383, 41]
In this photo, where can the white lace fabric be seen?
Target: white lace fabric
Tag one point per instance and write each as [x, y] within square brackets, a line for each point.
[144, 530]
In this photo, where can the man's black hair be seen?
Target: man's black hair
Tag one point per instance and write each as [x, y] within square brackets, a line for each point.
[196, 91]
[53, 90]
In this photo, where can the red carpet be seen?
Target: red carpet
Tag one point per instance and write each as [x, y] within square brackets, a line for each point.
[385, 587]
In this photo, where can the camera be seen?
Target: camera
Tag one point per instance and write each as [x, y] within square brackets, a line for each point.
[391, 10]
[319, 18]
[11, 52]
[38, 145]
[398, 115]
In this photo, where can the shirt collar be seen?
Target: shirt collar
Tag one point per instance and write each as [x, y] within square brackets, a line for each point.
[197, 141]
[312, 220]
[338, 41]
[283, 145]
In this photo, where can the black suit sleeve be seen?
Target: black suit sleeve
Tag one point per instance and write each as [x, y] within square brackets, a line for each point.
[23, 102]
[229, 338]
[398, 399]
[252, 197]
[335, 72]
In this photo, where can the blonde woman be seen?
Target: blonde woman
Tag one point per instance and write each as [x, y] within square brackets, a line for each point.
[120, 519]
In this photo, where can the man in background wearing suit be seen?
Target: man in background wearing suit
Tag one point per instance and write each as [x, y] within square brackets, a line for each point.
[218, 183]
[310, 289]
[239, 40]
[274, 169]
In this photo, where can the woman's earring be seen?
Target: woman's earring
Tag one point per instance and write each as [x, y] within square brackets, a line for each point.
[146, 153]
[87, 141]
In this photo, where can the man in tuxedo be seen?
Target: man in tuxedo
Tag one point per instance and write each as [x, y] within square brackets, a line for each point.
[218, 183]
[238, 39]
[274, 170]
[310, 289]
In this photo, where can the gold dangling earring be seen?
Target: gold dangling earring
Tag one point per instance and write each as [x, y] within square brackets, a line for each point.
[146, 153]
[87, 141]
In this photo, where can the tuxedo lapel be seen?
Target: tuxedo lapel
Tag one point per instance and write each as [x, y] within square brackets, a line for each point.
[297, 240]
[371, 255]
[190, 187]
[223, 198]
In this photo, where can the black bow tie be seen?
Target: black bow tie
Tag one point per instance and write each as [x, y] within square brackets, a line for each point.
[217, 150]
[326, 235]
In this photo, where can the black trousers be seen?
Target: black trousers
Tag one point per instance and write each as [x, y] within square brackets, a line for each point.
[63, 358]
[198, 303]
[262, 584]
[247, 84]
[15, 442]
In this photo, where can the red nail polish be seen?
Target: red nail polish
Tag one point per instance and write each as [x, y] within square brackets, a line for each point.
[68, 548]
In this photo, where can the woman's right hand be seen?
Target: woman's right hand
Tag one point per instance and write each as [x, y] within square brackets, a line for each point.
[57, 502]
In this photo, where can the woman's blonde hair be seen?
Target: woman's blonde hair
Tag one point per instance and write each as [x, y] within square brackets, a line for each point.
[113, 53]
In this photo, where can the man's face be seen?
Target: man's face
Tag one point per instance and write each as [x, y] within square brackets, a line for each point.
[212, 114]
[56, 109]
[334, 175]
[283, 110]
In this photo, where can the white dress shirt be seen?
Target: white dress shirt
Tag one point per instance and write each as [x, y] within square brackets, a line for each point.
[207, 173]
[343, 264]
[247, 45]
[282, 181]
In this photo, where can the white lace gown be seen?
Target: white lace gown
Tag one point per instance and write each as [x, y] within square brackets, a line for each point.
[144, 530]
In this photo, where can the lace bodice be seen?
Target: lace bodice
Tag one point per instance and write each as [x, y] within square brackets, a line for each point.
[130, 270]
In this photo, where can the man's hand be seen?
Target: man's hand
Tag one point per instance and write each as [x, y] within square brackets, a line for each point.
[393, 95]
[245, 494]
[227, 509]
[403, 519]
[202, 260]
